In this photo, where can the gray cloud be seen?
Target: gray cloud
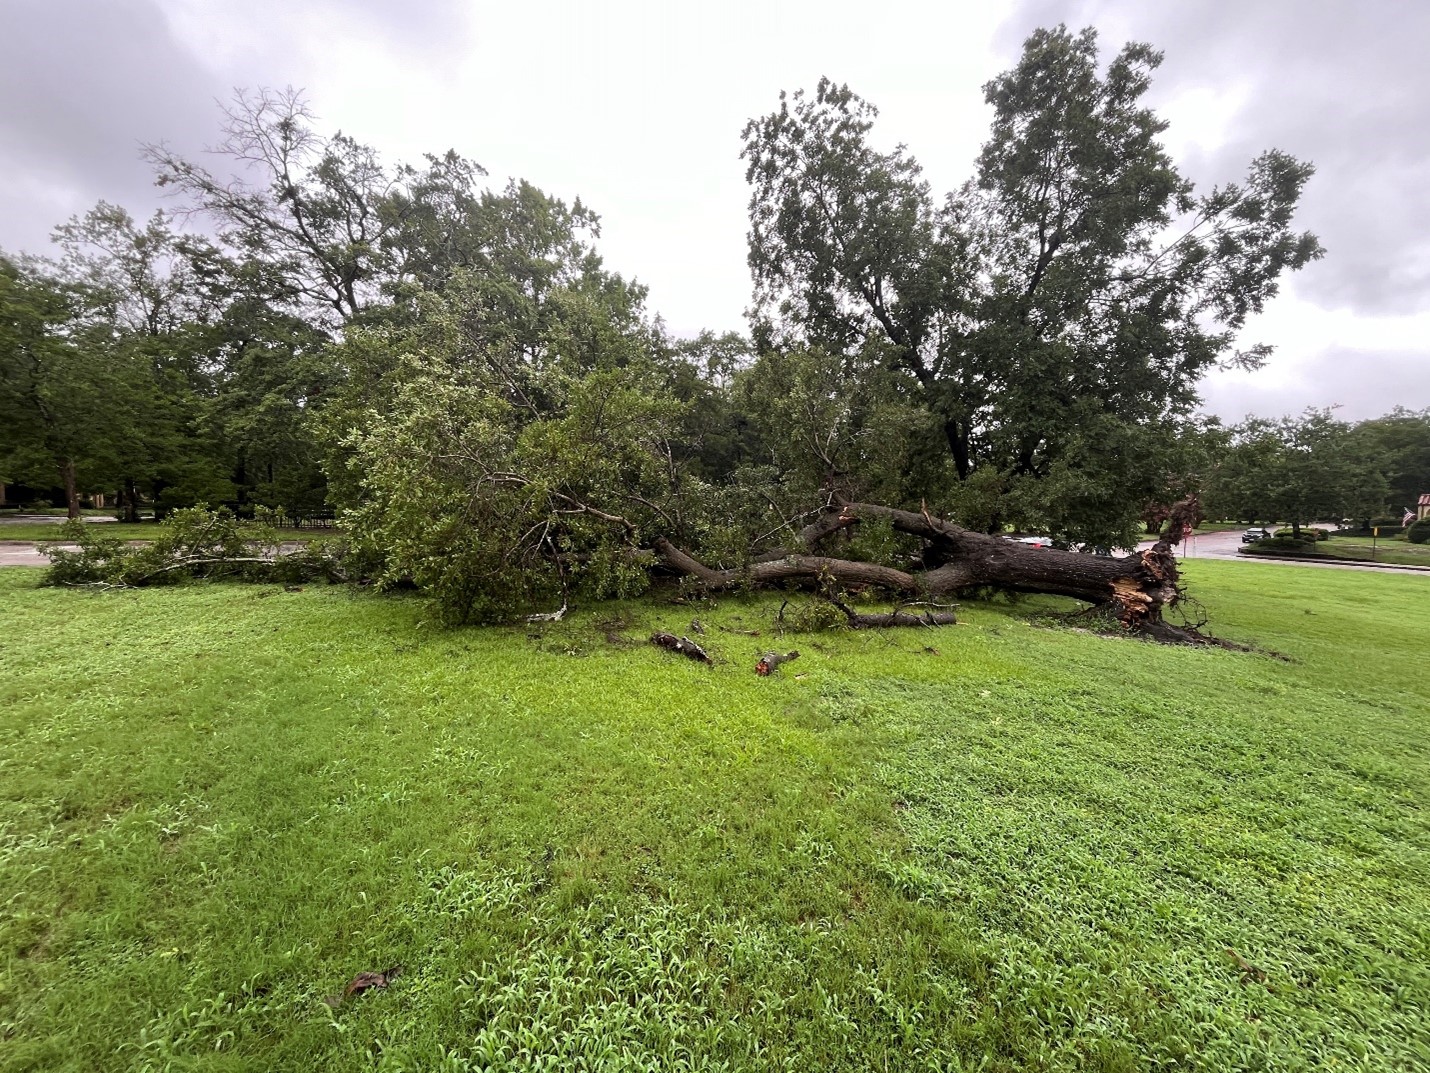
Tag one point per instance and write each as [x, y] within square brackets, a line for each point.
[87, 82]
[1360, 383]
[417, 26]
[1344, 85]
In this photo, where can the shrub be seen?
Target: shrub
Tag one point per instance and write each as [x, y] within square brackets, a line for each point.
[192, 542]
[1385, 531]
[1419, 533]
[1283, 543]
[812, 616]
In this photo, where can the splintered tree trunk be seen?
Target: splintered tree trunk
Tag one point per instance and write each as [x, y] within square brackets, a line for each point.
[67, 474]
[1136, 588]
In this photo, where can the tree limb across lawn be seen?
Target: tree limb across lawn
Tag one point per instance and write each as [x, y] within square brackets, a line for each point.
[1138, 589]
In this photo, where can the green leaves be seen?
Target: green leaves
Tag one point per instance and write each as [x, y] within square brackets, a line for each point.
[502, 481]
[1076, 289]
[1297, 470]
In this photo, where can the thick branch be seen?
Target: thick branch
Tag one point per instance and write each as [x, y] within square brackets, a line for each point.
[789, 568]
[1136, 588]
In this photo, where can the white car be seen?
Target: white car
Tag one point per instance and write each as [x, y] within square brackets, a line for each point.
[1036, 541]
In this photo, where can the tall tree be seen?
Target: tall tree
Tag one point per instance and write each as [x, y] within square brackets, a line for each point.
[157, 293]
[66, 397]
[316, 208]
[1399, 444]
[1072, 292]
[1298, 470]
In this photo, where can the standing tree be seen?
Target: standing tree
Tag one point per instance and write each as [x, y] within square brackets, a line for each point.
[156, 293]
[1399, 444]
[1297, 470]
[1054, 315]
[317, 210]
[67, 397]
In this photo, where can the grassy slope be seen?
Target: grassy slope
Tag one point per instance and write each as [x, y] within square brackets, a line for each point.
[1026, 850]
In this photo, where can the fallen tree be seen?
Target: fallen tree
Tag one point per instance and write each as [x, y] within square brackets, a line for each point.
[1137, 589]
[497, 513]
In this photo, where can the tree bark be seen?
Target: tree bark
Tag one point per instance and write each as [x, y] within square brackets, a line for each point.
[130, 500]
[1136, 588]
[958, 446]
[67, 475]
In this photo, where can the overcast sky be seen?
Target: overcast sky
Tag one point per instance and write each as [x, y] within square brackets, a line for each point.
[638, 107]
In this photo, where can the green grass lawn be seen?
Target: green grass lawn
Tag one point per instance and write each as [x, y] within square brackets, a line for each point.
[996, 846]
[36, 531]
[1385, 551]
[1359, 549]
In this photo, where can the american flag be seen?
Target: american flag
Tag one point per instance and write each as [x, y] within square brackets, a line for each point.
[1409, 517]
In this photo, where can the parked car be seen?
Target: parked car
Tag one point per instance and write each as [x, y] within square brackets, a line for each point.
[1036, 541]
[1251, 536]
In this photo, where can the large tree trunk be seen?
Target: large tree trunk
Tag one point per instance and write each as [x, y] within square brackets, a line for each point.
[130, 501]
[1136, 588]
[67, 474]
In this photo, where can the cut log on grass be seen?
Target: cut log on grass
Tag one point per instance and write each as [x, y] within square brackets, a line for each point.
[770, 662]
[684, 645]
[1137, 588]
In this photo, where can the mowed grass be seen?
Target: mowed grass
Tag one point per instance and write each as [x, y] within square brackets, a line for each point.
[1354, 549]
[996, 846]
[1386, 551]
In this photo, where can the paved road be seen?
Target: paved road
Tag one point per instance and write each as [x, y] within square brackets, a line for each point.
[51, 519]
[1228, 546]
[24, 553]
[1207, 546]
[14, 553]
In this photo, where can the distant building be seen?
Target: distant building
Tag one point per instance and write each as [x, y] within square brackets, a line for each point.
[1423, 511]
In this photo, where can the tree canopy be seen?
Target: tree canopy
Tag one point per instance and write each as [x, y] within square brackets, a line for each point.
[1298, 470]
[1048, 321]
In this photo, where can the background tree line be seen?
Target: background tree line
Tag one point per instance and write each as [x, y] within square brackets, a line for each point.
[1301, 469]
[502, 420]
